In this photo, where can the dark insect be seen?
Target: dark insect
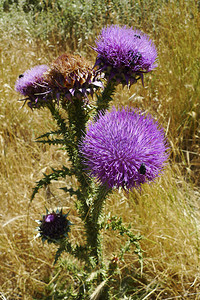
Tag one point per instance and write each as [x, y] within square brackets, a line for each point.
[134, 57]
[142, 169]
[21, 75]
[137, 36]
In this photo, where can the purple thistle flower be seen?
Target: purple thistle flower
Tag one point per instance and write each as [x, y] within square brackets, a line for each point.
[32, 85]
[124, 148]
[124, 54]
[54, 227]
[31, 80]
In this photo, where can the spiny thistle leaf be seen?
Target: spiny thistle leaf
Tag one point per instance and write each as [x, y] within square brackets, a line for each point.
[53, 142]
[79, 252]
[64, 245]
[46, 180]
[71, 191]
[115, 223]
[105, 97]
[60, 121]
[47, 134]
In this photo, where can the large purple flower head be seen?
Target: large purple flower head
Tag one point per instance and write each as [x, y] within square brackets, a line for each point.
[32, 85]
[124, 148]
[124, 53]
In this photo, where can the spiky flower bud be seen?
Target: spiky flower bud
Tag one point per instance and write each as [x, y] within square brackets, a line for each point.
[54, 226]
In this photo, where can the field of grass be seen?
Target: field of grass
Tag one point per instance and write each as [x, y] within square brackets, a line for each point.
[166, 213]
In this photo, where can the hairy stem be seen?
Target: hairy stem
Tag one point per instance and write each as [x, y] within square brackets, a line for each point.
[104, 99]
[96, 214]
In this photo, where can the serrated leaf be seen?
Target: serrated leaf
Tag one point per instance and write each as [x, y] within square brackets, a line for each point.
[47, 134]
[71, 191]
[53, 142]
[48, 178]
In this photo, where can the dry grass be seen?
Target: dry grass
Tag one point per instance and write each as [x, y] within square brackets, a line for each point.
[165, 213]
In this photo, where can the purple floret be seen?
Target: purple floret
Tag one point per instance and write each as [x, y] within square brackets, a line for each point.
[124, 51]
[31, 81]
[124, 149]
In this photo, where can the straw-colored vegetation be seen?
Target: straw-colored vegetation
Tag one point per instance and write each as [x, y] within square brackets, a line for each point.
[166, 213]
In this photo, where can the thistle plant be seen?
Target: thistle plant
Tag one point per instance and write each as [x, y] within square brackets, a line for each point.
[108, 149]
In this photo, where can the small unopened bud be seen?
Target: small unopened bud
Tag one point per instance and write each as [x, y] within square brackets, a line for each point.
[54, 226]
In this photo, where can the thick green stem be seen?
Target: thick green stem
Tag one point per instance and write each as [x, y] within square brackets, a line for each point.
[91, 199]
[66, 132]
[96, 214]
[88, 211]
[72, 132]
[104, 99]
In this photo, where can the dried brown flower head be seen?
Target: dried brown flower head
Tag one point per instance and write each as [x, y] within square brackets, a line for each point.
[73, 76]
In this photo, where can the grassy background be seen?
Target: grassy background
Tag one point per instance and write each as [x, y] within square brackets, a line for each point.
[167, 212]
